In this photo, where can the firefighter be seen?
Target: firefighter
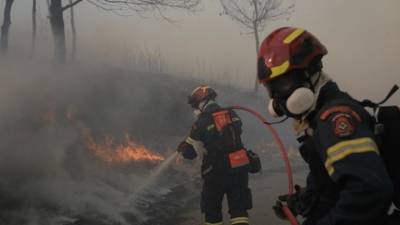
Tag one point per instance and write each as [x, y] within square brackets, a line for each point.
[216, 136]
[347, 183]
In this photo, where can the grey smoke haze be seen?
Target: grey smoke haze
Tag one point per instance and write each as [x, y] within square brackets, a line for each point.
[361, 36]
[46, 172]
[48, 176]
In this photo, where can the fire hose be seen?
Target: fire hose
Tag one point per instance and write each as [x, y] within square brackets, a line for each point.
[292, 219]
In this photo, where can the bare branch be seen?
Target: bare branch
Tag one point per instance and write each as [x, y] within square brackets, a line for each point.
[131, 7]
[251, 13]
[71, 5]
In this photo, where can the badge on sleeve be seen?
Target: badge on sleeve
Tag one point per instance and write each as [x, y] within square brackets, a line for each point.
[342, 125]
[343, 120]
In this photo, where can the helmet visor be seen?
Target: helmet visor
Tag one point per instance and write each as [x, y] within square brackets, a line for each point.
[283, 86]
[192, 102]
[263, 72]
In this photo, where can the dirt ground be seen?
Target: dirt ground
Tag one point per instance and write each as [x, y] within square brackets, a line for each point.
[265, 189]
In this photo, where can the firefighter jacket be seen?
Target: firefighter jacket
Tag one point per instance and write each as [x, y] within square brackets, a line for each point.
[348, 182]
[205, 139]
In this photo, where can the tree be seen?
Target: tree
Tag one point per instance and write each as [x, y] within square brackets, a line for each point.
[73, 29]
[34, 9]
[254, 14]
[56, 10]
[144, 5]
[57, 22]
[6, 26]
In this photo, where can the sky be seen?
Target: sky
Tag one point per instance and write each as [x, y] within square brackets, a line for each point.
[362, 37]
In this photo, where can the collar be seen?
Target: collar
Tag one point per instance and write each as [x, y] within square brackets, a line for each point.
[323, 80]
[328, 90]
[210, 107]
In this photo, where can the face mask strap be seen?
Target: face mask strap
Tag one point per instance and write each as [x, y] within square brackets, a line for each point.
[201, 107]
[277, 122]
[313, 85]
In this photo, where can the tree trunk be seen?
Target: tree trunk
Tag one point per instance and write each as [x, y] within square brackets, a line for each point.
[257, 49]
[255, 27]
[6, 26]
[33, 28]
[73, 50]
[57, 28]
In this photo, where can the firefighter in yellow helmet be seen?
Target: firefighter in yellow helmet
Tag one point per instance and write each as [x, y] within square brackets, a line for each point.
[348, 183]
[216, 135]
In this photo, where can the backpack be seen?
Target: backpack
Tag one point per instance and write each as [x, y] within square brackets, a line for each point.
[387, 130]
[238, 158]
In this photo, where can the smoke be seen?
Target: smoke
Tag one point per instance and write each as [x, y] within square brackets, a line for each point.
[47, 174]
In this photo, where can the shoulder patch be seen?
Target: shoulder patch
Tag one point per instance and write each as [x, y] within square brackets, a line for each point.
[341, 110]
[222, 119]
[342, 125]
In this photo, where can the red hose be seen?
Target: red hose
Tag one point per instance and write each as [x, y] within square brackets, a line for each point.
[284, 156]
[292, 219]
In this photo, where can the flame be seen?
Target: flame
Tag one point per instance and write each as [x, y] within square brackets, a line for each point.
[120, 153]
[108, 150]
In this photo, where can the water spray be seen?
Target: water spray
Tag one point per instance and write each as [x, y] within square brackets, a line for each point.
[284, 156]
[152, 178]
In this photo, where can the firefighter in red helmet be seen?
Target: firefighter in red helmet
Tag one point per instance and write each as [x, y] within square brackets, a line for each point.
[347, 183]
[216, 135]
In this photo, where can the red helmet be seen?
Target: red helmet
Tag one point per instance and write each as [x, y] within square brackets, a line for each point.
[200, 94]
[287, 49]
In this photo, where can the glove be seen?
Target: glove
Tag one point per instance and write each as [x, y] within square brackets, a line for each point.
[186, 150]
[182, 146]
[278, 210]
[292, 201]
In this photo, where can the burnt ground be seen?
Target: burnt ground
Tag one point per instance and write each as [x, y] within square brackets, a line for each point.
[158, 208]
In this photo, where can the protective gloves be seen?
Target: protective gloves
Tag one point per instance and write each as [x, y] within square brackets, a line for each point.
[293, 202]
[181, 147]
[186, 150]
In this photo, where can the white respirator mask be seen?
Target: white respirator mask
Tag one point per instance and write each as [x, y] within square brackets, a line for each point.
[299, 102]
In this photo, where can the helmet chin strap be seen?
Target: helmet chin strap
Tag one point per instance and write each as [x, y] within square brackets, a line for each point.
[320, 80]
[202, 106]
[311, 83]
[277, 122]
